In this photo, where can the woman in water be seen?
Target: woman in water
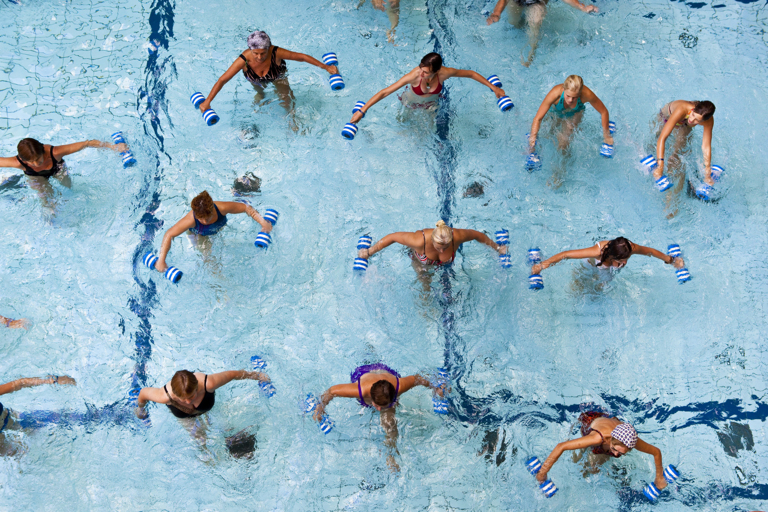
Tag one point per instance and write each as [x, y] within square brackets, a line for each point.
[435, 246]
[206, 218]
[423, 85]
[21, 323]
[608, 437]
[184, 395]
[41, 161]
[534, 11]
[685, 115]
[10, 420]
[608, 254]
[393, 13]
[377, 386]
[261, 65]
[567, 102]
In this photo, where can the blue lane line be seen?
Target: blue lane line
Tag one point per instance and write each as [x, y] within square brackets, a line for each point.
[160, 69]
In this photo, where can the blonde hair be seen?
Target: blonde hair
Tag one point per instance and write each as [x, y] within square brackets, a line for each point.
[442, 234]
[573, 83]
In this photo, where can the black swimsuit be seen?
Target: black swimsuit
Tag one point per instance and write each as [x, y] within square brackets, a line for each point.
[58, 165]
[273, 73]
[183, 411]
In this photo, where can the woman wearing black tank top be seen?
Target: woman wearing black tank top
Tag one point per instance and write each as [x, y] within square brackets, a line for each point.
[43, 160]
[192, 394]
[261, 65]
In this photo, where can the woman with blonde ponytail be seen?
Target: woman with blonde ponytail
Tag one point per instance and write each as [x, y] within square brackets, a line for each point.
[436, 246]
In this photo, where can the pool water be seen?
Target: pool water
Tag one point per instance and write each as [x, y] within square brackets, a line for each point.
[684, 363]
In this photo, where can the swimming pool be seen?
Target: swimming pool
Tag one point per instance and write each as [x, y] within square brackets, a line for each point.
[683, 363]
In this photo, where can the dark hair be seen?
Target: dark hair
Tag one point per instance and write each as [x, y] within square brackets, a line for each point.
[202, 205]
[30, 150]
[184, 384]
[432, 61]
[383, 393]
[617, 249]
[705, 109]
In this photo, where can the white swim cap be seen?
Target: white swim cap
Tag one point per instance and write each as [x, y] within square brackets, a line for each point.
[259, 41]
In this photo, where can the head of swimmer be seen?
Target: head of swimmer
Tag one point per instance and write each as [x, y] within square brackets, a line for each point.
[616, 252]
[430, 64]
[184, 386]
[258, 44]
[382, 394]
[442, 237]
[702, 111]
[203, 208]
[31, 151]
[572, 90]
[617, 448]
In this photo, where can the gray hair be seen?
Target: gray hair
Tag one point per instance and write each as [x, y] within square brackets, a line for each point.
[259, 41]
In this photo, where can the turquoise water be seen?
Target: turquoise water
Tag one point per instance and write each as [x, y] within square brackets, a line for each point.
[683, 363]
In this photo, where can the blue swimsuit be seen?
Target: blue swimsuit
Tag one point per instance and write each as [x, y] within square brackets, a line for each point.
[212, 228]
[559, 107]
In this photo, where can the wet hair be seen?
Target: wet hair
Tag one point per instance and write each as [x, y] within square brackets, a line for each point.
[442, 234]
[259, 41]
[383, 393]
[617, 249]
[706, 109]
[573, 83]
[184, 384]
[30, 150]
[432, 61]
[246, 184]
[202, 205]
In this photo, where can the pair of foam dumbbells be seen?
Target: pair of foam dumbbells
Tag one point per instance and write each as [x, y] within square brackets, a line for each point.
[211, 118]
[651, 491]
[439, 403]
[533, 161]
[350, 129]
[703, 191]
[174, 275]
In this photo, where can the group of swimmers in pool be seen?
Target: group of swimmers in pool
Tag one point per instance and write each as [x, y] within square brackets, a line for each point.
[379, 386]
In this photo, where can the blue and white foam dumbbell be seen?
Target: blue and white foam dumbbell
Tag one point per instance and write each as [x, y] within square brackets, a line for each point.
[606, 150]
[260, 365]
[128, 159]
[494, 80]
[611, 127]
[649, 162]
[133, 401]
[505, 104]
[663, 183]
[349, 131]
[533, 162]
[717, 172]
[264, 239]
[358, 108]
[154, 46]
[502, 238]
[337, 83]
[172, 273]
[326, 423]
[209, 116]
[535, 282]
[440, 403]
[361, 264]
[534, 466]
[534, 256]
[670, 475]
[705, 192]
[682, 273]
[330, 59]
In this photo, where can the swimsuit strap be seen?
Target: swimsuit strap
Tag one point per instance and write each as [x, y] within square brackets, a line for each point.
[397, 391]
[183, 408]
[23, 164]
[205, 381]
[360, 393]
